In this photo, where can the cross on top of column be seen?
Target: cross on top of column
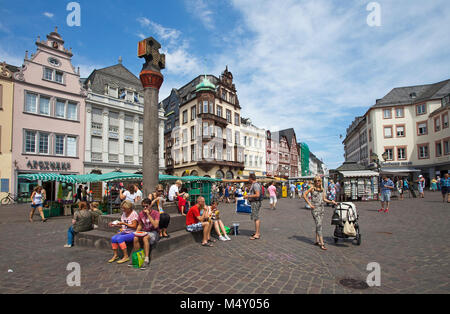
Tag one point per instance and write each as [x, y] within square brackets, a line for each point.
[149, 49]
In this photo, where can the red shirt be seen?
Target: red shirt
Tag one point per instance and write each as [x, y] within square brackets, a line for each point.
[181, 202]
[145, 221]
[191, 217]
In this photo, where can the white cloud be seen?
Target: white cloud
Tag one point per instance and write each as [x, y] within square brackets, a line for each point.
[179, 60]
[201, 9]
[11, 58]
[314, 65]
[48, 14]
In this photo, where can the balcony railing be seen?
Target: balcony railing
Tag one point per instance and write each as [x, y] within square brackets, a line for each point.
[96, 156]
[129, 159]
[113, 131]
[96, 128]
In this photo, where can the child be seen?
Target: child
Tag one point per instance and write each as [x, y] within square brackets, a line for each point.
[183, 204]
[214, 213]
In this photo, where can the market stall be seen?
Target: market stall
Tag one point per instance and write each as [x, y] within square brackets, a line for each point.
[359, 185]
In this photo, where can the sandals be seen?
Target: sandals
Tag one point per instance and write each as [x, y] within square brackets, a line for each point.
[113, 259]
[212, 241]
[322, 246]
[255, 238]
[123, 260]
[207, 244]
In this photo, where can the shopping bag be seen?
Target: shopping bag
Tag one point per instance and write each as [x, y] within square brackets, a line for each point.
[227, 229]
[138, 258]
[242, 207]
[349, 229]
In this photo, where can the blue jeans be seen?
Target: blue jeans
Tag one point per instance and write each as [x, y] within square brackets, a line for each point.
[70, 235]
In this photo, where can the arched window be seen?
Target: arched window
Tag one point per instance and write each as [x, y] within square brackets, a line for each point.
[185, 173]
[229, 175]
[219, 174]
[194, 173]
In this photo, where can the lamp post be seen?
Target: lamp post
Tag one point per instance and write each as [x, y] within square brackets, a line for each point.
[151, 79]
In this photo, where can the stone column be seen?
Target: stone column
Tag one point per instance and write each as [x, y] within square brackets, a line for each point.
[151, 79]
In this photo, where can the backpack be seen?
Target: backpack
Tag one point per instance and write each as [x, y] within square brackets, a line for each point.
[263, 192]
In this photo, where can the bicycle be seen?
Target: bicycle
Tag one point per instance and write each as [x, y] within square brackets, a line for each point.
[9, 199]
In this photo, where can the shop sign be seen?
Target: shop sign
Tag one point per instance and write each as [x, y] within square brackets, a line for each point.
[397, 163]
[48, 165]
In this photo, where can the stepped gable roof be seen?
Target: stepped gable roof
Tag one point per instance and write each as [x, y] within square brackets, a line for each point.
[414, 94]
[115, 76]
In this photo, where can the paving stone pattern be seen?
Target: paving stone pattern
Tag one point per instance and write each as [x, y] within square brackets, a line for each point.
[409, 243]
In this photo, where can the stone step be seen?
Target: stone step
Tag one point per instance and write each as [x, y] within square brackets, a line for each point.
[177, 222]
[102, 240]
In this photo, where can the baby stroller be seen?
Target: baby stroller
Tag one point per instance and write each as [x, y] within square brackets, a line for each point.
[342, 213]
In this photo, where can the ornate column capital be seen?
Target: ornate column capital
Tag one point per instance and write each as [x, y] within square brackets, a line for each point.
[151, 78]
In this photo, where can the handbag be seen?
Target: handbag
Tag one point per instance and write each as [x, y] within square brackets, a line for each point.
[138, 258]
[349, 229]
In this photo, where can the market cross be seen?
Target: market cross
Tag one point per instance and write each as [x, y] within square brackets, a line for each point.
[149, 49]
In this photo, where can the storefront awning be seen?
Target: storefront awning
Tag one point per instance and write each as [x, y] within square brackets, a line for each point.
[359, 173]
[399, 170]
[48, 177]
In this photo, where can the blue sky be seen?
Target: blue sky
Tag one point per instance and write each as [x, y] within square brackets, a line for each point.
[312, 65]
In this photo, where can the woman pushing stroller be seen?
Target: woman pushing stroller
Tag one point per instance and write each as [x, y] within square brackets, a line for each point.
[318, 198]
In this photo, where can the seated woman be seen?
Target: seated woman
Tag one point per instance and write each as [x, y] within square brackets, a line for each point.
[82, 221]
[157, 199]
[95, 212]
[148, 222]
[128, 224]
[218, 224]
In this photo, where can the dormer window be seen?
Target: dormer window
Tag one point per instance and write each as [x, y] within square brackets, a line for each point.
[55, 45]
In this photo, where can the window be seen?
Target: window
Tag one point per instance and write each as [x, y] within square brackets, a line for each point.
[219, 111]
[30, 141]
[229, 154]
[388, 132]
[237, 137]
[390, 153]
[193, 153]
[399, 113]
[447, 147]
[60, 109]
[72, 111]
[205, 151]
[423, 151]
[59, 144]
[228, 116]
[401, 153]
[71, 149]
[185, 116]
[193, 133]
[229, 136]
[53, 75]
[438, 149]
[387, 113]
[205, 128]
[185, 135]
[422, 128]
[193, 112]
[370, 135]
[421, 109]
[437, 124]
[236, 119]
[211, 107]
[219, 132]
[31, 103]
[48, 74]
[205, 106]
[44, 105]
[400, 131]
[43, 143]
[59, 77]
[445, 121]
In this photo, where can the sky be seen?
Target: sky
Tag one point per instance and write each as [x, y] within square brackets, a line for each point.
[313, 65]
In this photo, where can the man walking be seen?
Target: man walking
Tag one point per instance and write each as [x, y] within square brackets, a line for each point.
[386, 187]
[254, 196]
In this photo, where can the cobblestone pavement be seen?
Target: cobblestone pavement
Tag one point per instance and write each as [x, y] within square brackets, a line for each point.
[409, 243]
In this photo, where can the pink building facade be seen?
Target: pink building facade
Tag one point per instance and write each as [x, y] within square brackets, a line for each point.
[48, 117]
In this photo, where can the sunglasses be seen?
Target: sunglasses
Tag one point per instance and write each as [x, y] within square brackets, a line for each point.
[160, 191]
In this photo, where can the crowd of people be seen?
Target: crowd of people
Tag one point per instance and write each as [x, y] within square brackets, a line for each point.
[203, 218]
